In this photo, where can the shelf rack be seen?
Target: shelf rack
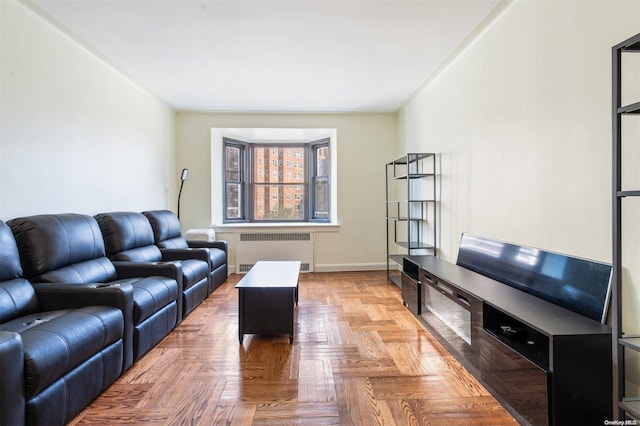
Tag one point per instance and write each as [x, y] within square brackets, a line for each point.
[623, 406]
[411, 220]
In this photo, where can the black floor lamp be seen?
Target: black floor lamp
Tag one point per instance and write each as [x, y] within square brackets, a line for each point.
[183, 177]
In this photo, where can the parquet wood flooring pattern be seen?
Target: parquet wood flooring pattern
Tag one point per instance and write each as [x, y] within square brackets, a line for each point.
[359, 357]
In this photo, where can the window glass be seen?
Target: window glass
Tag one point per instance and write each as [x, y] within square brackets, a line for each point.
[321, 205]
[322, 161]
[276, 181]
[233, 201]
[232, 156]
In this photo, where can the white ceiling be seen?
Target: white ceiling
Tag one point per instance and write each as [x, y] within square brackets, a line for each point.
[273, 55]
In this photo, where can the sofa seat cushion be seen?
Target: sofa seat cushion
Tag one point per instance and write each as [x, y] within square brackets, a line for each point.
[150, 294]
[218, 258]
[56, 342]
[193, 271]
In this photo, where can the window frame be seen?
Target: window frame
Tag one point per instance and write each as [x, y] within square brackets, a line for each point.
[312, 177]
[248, 186]
[243, 161]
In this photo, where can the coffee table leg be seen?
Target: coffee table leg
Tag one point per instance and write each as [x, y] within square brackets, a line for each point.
[292, 312]
[241, 315]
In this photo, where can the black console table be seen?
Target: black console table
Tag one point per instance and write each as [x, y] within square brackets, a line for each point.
[546, 364]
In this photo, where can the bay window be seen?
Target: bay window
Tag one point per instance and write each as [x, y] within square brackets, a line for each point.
[276, 182]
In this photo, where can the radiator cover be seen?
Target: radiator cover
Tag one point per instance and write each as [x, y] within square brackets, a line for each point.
[252, 247]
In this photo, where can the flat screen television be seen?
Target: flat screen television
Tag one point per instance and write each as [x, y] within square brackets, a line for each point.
[580, 285]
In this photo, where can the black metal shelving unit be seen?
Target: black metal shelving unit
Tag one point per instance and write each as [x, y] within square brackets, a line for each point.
[412, 220]
[624, 406]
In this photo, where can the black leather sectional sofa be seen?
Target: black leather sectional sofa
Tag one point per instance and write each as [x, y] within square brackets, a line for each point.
[82, 298]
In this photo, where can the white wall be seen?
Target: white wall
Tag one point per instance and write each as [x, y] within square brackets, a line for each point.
[365, 143]
[75, 135]
[522, 119]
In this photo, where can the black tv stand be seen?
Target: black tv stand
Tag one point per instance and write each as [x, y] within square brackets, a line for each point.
[523, 339]
[545, 364]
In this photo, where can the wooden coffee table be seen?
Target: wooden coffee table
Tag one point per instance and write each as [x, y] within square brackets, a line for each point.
[267, 298]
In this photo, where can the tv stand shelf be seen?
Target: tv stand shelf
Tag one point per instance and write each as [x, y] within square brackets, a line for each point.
[546, 364]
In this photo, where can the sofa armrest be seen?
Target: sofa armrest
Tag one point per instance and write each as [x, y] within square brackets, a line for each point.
[219, 244]
[54, 296]
[169, 254]
[12, 396]
[126, 269]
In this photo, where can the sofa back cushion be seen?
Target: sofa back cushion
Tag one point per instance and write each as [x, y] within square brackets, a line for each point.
[59, 247]
[128, 236]
[99, 270]
[166, 229]
[173, 243]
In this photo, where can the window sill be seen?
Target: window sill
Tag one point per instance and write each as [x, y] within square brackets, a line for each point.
[249, 227]
[294, 226]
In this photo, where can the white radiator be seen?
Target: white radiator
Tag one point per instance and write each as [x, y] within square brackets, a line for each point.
[252, 247]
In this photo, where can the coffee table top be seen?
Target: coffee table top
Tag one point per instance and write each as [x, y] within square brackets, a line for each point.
[274, 274]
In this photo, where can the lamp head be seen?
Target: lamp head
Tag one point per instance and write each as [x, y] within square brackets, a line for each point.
[184, 174]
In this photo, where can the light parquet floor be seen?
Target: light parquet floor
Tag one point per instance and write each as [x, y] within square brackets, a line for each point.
[358, 358]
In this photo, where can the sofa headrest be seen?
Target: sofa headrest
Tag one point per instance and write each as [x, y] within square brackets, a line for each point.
[124, 231]
[10, 267]
[165, 224]
[52, 241]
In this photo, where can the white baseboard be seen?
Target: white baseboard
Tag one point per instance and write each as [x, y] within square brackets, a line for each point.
[336, 267]
[349, 267]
